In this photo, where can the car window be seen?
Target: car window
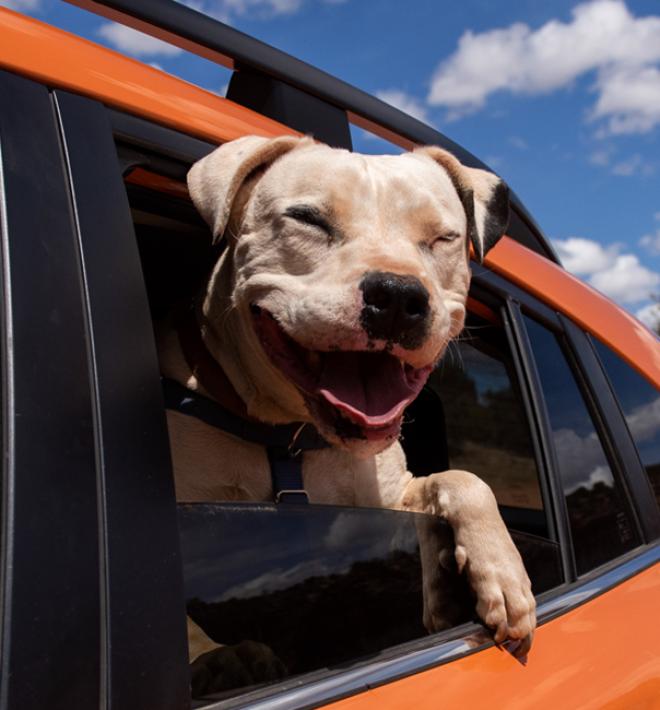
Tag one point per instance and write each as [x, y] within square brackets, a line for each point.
[640, 403]
[600, 520]
[475, 420]
[317, 586]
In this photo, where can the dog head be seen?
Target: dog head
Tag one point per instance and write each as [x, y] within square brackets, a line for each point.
[345, 277]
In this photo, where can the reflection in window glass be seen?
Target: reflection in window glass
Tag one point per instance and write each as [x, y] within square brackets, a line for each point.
[480, 421]
[640, 403]
[289, 589]
[600, 521]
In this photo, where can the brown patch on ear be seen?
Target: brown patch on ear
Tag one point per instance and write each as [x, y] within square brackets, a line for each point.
[484, 196]
[215, 181]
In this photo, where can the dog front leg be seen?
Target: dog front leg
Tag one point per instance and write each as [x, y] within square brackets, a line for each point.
[483, 549]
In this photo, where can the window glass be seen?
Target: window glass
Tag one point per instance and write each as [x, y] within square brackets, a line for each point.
[640, 403]
[291, 589]
[600, 521]
[475, 420]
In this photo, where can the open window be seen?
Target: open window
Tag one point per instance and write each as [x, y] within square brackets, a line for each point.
[319, 587]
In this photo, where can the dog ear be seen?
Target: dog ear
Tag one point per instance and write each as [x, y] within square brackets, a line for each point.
[215, 181]
[485, 198]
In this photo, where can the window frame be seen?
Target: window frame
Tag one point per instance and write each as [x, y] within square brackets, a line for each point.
[145, 656]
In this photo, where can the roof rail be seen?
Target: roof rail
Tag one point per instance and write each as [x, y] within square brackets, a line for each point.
[200, 34]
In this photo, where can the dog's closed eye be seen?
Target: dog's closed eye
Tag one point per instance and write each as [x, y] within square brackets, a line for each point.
[310, 215]
[445, 237]
[439, 238]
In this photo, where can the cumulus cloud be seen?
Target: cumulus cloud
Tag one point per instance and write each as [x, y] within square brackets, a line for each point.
[136, 43]
[584, 256]
[602, 37]
[620, 276]
[21, 5]
[629, 98]
[649, 315]
[407, 103]
[626, 280]
[651, 242]
[227, 10]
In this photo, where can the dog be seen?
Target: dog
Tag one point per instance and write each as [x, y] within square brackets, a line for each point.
[343, 280]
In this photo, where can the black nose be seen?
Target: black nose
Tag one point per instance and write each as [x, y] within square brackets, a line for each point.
[396, 308]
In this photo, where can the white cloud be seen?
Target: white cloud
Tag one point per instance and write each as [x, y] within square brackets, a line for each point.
[584, 256]
[644, 421]
[651, 242]
[407, 103]
[21, 5]
[650, 316]
[627, 167]
[600, 157]
[629, 98]
[620, 276]
[626, 280]
[226, 10]
[136, 43]
[602, 37]
[518, 142]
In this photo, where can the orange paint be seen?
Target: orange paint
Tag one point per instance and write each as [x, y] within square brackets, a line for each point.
[601, 655]
[583, 304]
[160, 183]
[60, 59]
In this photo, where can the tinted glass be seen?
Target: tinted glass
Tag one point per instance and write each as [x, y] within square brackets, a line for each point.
[474, 417]
[640, 403]
[600, 521]
[319, 586]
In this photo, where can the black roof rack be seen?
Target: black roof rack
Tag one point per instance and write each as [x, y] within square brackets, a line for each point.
[295, 93]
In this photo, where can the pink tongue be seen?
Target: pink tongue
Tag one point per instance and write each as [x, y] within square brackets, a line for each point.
[371, 388]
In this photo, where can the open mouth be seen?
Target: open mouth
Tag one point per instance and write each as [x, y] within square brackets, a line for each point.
[358, 394]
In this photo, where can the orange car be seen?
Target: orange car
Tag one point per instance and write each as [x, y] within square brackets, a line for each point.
[552, 398]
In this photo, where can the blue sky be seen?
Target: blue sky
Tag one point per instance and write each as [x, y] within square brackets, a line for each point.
[561, 98]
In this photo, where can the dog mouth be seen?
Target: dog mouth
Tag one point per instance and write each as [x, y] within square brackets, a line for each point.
[358, 394]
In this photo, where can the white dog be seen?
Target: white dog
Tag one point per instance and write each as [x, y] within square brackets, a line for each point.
[344, 279]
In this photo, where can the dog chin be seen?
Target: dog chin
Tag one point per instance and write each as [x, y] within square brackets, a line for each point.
[356, 398]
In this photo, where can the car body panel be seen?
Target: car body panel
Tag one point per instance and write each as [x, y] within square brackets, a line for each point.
[29, 46]
[583, 304]
[611, 635]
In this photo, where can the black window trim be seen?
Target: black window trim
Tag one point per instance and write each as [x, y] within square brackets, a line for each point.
[49, 521]
[146, 641]
[482, 289]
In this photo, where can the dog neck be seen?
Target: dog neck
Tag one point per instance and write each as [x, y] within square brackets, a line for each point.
[206, 370]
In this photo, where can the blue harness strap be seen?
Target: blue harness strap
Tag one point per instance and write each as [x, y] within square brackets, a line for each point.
[284, 443]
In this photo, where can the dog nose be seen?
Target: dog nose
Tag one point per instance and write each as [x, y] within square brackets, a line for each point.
[395, 308]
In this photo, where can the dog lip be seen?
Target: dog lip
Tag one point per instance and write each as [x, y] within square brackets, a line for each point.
[367, 390]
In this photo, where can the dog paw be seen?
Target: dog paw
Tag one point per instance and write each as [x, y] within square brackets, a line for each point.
[227, 667]
[505, 602]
